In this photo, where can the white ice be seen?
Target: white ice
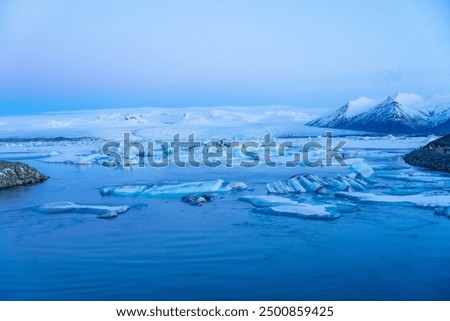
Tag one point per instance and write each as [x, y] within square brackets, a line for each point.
[173, 190]
[360, 167]
[69, 207]
[267, 200]
[417, 199]
[301, 211]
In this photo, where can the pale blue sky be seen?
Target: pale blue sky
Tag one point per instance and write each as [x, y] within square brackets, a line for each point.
[65, 55]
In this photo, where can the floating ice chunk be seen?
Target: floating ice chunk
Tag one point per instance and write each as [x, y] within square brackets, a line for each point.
[238, 186]
[296, 186]
[173, 190]
[279, 187]
[360, 167]
[69, 207]
[310, 186]
[271, 188]
[267, 200]
[353, 183]
[339, 185]
[307, 211]
[125, 190]
[360, 182]
[416, 199]
[187, 188]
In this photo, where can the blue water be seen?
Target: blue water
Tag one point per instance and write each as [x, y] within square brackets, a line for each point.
[168, 250]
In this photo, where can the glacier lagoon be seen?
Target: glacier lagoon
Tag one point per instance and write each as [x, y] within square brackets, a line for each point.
[163, 249]
[240, 244]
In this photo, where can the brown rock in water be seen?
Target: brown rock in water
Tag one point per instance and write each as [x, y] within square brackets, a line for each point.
[13, 174]
[435, 155]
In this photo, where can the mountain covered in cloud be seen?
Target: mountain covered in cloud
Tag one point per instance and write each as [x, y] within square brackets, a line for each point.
[402, 113]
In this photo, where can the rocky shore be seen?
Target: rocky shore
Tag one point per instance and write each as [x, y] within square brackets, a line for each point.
[13, 174]
[435, 155]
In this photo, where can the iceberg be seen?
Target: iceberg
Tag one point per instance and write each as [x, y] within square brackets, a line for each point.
[267, 200]
[173, 190]
[295, 185]
[307, 211]
[124, 190]
[303, 183]
[361, 168]
[280, 187]
[238, 186]
[70, 207]
[340, 185]
[298, 184]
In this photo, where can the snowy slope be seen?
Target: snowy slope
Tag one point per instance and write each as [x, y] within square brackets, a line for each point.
[399, 113]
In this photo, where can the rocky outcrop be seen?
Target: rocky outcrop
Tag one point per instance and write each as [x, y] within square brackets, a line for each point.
[18, 174]
[435, 155]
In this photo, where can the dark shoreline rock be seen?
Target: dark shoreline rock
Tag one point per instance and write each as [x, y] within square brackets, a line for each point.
[13, 174]
[435, 155]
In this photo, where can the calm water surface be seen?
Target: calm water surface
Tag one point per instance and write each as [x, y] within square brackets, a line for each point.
[168, 250]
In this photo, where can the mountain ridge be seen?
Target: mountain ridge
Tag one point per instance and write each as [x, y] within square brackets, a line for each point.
[401, 113]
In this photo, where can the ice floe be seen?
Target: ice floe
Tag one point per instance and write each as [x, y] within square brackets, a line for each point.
[173, 190]
[282, 206]
[312, 183]
[416, 199]
[307, 211]
[416, 177]
[267, 200]
[70, 207]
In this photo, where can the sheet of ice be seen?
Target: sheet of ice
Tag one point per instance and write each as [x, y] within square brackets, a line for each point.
[267, 200]
[69, 207]
[307, 211]
[173, 190]
[416, 199]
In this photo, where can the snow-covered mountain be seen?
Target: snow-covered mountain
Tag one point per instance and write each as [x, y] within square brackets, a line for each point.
[399, 113]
